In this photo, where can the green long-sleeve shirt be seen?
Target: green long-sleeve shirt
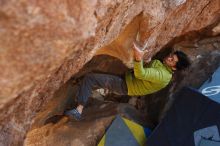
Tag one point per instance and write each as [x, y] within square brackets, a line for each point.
[147, 80]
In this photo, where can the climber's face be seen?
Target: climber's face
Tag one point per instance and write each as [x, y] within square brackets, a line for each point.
[171, 61]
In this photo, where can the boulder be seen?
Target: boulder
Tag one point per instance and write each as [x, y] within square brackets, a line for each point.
[44, 43]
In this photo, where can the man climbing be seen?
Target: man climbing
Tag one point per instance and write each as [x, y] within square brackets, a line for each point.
[142, 81]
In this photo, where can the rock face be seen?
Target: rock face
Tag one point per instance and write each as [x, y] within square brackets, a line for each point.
[161, 22]
[43, 44]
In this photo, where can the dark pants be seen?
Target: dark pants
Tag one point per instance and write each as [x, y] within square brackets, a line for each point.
[92, 81]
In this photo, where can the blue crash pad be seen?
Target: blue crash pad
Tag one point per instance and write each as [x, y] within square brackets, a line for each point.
[211, 88]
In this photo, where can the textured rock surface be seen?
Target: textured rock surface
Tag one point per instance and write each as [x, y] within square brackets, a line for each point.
[163, 21]
[42, 44]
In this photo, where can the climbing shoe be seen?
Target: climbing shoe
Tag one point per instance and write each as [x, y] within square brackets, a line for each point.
[73, 114]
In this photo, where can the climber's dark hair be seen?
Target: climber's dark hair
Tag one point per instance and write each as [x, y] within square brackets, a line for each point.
[183, 62]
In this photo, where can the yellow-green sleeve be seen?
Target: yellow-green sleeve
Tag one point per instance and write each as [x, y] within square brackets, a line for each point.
[150, 74]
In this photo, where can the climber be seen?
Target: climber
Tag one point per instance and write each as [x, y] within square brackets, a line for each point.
[142, 81]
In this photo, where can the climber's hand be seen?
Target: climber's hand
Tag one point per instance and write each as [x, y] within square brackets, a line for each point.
[138, 52]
